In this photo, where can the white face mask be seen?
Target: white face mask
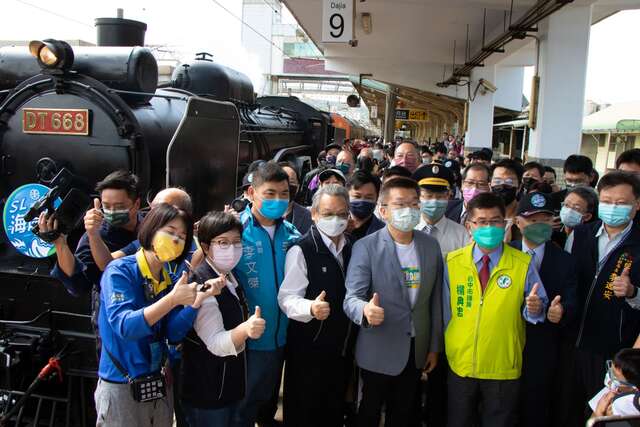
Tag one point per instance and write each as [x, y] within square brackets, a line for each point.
[332, 226]
[224, 259]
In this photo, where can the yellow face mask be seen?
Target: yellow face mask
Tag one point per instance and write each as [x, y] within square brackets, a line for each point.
[166, 246]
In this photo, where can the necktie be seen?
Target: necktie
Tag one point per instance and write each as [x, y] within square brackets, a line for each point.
[534, 260]
[484, 272]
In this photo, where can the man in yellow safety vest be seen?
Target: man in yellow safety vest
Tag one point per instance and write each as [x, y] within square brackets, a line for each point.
[490, 290]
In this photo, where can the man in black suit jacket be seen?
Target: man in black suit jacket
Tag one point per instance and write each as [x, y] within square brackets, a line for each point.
[475, 180]
[544, 350]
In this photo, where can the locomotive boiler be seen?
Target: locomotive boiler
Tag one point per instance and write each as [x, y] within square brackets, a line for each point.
[82, 113]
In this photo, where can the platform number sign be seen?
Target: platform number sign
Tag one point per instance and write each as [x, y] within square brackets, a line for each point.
[337, 21]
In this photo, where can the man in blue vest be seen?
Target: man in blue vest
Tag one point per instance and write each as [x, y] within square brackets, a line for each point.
[265, 240]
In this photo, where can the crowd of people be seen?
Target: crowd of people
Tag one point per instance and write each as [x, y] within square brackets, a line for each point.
[397, 283]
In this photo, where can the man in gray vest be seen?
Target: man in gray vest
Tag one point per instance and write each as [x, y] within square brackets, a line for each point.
[394, 285]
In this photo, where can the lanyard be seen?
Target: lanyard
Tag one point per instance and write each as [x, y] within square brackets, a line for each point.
[152, 286]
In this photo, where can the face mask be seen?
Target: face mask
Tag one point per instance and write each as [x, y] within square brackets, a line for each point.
[426, 160]
[538, 232]
[332, 226]
[344, 167]
[488, 237]
[330, 160]
[570, 217]
[614, 215]
[117, 218]
[527, 182]
[361, 209]
[378, 155]
[224, 259]
[434, 209]
[507, 194]
[405, 219]
[166, 246]
[470, 193]
[274, 208]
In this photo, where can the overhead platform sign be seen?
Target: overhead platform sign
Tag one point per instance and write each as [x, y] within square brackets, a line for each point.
[337, 21]
[411, 115]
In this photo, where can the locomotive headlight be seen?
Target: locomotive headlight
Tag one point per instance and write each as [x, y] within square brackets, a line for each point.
[49, 53]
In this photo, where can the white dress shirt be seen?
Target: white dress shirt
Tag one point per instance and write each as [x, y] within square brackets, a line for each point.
[449, 234]
[294, 285]
[210, 327]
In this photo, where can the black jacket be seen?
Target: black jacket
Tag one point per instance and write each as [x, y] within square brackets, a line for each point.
[558, 275]
[334, 335]
[454, 210]
[209, 381]
[607, 323]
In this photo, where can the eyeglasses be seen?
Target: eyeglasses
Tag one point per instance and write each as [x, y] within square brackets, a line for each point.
[487, 223]
[614, 384]
[576, 208]
[480, 185]
[507, 181]
[414, 205]
[223, 244]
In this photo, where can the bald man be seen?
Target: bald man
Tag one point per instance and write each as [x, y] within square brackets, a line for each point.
[180, 199]
[174, 196]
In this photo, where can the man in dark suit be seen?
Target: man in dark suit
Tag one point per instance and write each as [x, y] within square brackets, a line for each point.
[475, 180]
[541, 369]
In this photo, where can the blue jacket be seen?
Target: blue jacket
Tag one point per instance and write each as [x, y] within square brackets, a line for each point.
[123, 329]
[260, 273]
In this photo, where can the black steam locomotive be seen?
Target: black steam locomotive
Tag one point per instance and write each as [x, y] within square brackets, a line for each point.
[82, 113]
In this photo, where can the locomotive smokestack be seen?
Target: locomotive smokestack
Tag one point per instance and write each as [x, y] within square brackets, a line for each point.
[119, 31]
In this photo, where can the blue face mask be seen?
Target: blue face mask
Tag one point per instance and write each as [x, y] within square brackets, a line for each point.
[274, 208]
[405, 219]
[361, 209]
[488, 237]
[570, 217]
[434, 209]
[344, 167]
[614, 215]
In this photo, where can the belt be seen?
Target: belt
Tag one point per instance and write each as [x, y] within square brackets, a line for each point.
[113, 382]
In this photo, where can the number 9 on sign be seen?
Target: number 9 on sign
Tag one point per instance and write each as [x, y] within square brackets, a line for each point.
[337, 21]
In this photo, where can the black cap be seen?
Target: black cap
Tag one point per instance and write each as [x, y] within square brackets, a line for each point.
[433, 177]
[533, 203]
[453, 165]
[332, 146]
[327, 173]
[481, 155]
[246, 180]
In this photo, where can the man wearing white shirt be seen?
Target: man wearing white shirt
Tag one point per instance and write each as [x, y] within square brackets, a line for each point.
[435, 184]
[320, 337]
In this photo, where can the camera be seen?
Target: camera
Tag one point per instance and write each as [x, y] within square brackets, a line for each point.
[239, 204]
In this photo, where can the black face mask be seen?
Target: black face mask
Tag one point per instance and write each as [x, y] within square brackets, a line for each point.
[506, 193]
[527, 183]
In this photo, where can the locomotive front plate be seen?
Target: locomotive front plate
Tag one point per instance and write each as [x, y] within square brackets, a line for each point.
[55, 121]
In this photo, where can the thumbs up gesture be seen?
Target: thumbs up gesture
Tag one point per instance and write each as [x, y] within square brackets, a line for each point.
[254, 325]
[93, 219]
[622, 286]
[534, 303]
[319, 307]
[373, 312]
[184, 293]
[555, 312]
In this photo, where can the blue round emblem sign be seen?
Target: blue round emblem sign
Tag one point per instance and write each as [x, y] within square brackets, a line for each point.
[18, 231]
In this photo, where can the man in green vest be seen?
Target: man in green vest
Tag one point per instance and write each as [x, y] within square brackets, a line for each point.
[490, 290]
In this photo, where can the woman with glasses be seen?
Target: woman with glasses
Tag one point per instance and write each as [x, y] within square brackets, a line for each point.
[140, 311]
[213, 376]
